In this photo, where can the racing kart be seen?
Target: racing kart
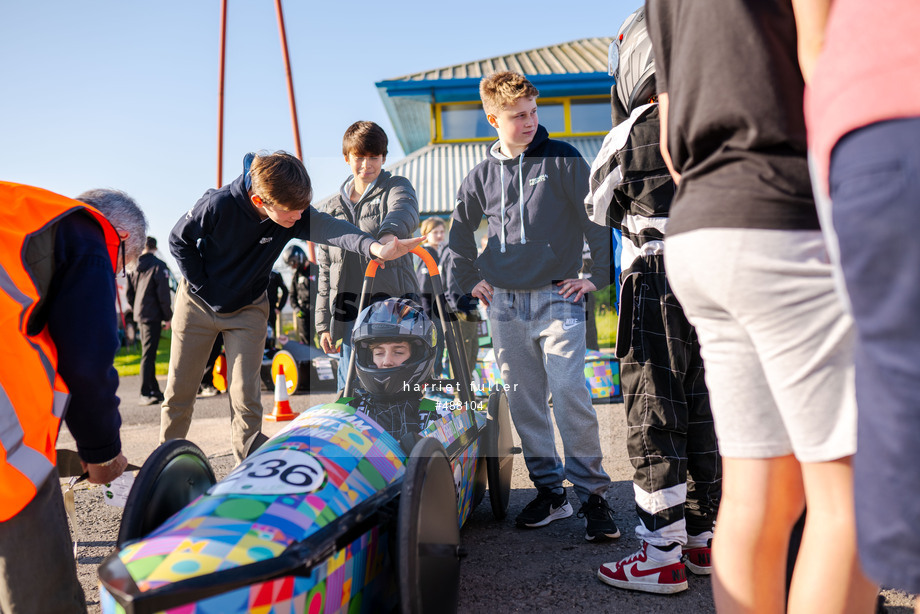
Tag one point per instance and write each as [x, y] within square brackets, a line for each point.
[332, 514]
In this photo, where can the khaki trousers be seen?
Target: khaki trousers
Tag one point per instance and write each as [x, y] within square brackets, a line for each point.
[195, 326]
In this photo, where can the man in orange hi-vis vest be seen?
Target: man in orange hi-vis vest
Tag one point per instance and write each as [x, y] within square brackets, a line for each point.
[58, 259]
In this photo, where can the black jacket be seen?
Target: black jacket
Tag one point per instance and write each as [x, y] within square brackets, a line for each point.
[537, 221]
[148, 290]
[226, 251]
[277, 291]
[303, 289]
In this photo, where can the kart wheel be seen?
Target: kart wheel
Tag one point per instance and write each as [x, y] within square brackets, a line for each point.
[499, 452]
[172, 477]
[283, 358]
[480, 479]
[428, 534]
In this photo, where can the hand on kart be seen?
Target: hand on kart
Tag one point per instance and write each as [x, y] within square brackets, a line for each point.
[325, 343]
[391, 249]
[484, 292]
[578, 287]
[105, 473]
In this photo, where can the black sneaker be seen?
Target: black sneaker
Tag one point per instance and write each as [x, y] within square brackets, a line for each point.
[544, 509]
[598, 517]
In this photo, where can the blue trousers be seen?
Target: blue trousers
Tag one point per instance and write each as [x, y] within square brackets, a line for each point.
[875, 194]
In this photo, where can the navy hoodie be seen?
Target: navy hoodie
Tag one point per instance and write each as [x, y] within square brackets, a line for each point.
[226, 251]
[534, 204]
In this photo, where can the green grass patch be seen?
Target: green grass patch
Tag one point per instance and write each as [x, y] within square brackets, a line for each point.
[128, 359]
[606, 328]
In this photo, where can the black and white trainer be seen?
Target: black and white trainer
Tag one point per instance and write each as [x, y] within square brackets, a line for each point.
[599, 524]
[545, 508]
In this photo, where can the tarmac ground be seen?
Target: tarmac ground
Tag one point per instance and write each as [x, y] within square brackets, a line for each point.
[506, 569]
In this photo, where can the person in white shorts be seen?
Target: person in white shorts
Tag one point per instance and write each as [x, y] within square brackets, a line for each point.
[746, 259]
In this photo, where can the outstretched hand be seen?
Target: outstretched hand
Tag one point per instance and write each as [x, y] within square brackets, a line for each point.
[394, 249]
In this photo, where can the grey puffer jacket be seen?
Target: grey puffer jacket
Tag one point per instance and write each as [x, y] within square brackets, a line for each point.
[390, 207]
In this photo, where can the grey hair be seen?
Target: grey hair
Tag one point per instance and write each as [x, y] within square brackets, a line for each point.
[124, 214]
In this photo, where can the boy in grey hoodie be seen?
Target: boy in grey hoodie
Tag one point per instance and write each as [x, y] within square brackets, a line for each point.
[531, 189]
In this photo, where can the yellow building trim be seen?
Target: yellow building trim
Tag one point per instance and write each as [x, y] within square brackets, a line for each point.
[565, 101]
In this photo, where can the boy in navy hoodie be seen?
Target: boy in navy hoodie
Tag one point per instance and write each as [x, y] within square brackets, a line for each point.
[531, 189]
[225, 247]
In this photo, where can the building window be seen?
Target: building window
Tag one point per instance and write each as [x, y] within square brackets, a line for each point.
[552, 116]
[576, 116]
[589, 115]
[464, 121]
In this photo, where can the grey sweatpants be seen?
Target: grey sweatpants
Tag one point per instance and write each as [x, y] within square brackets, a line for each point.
[539, 340]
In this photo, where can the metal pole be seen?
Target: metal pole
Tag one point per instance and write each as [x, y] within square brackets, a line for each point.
[290, 81]
[220, 93]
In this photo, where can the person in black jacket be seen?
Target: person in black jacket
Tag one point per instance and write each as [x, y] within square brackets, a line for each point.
[225, 247]
[149, 300]
[277, 299]
[303, 289]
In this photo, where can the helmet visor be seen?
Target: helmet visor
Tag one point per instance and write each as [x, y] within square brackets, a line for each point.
[613, 58]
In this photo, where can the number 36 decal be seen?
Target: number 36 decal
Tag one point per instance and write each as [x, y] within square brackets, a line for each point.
[279, 472]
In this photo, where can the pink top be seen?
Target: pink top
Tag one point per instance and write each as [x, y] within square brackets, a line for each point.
[868, 71]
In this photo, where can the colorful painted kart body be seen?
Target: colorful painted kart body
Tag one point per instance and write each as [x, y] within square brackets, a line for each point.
[332, 514]
[310, 522]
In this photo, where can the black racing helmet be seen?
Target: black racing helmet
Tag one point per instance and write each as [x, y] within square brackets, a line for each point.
[294, 257]
[394, 320]
[635, 63]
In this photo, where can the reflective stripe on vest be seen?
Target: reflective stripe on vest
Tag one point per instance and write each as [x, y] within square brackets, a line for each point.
[33, 397]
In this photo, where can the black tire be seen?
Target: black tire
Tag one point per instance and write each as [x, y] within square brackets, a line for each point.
[499, 452]
[172, 477]
[428, 550]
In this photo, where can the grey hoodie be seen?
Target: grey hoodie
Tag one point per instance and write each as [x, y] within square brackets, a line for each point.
[534, 205]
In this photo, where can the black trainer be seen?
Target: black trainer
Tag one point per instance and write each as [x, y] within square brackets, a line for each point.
[598, 517]
[544, 509]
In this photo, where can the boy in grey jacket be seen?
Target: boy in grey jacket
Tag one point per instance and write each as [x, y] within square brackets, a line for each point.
[384, 206]
[531, 189]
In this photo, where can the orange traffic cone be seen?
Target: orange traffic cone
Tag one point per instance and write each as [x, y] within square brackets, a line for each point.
[282, 409]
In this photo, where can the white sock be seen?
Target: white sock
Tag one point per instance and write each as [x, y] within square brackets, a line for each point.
[665, 557]
[698, 541]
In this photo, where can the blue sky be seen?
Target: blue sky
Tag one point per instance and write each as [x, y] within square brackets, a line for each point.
[123, 93]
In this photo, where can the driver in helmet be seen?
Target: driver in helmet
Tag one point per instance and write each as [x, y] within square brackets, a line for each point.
[395, 345]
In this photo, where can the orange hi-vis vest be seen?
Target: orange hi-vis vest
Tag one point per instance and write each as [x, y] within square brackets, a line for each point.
[33, 396]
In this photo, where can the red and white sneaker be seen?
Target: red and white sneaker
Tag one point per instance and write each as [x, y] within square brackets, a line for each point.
[697, 554]
[698, 560]
[638, 572]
